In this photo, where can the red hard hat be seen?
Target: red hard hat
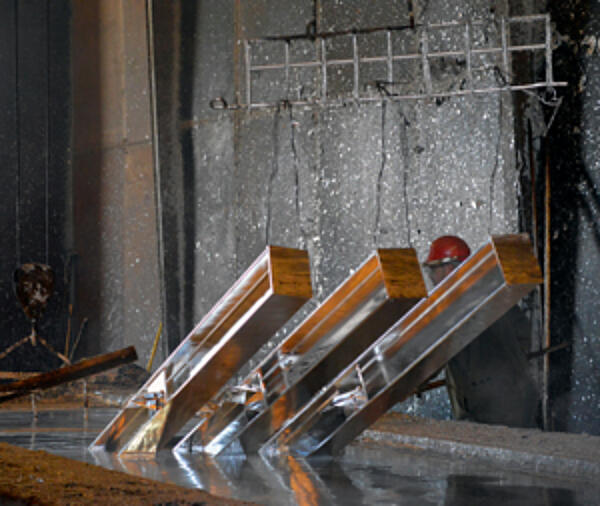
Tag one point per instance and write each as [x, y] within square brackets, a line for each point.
[447, 248]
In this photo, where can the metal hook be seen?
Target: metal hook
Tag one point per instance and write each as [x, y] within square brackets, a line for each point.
[218, 104]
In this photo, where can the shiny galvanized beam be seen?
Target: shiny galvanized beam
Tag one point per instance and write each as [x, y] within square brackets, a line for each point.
[468, 301]
[254, 308]
[362, 308]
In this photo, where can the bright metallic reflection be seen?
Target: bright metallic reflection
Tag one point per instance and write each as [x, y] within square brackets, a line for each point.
[271, 290]
[475, 295]
[383, 288]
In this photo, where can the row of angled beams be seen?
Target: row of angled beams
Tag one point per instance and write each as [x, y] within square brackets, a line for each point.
[475, 295]
[338, 371]
[364, 306]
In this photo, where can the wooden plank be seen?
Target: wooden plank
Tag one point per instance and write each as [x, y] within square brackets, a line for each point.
[290, 272]
[518, 265]
[69, 373]
[17, 375]
[401, 273]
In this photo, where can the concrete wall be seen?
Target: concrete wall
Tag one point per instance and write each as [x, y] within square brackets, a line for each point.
[339, 181]
[115, 227]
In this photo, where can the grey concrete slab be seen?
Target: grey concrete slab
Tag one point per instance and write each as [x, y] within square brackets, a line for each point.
[350, 161]
[528, 450]
[264, 18]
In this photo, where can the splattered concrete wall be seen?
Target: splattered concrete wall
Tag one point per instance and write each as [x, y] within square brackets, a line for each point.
[114, 206]
[337, 181]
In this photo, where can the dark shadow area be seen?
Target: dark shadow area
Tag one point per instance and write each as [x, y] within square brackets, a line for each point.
[35, 132]
[60, 116]
[88, 162]
[568, 173]
[189, 13]
[175, 55]
[166, 41]
[12, 324]
[475, 490]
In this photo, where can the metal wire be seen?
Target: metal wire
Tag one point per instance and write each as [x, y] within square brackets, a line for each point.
[157, 171]
[294, 148]
[405, 173]
[494, 172]
[380, 174]
[546, 399]
[273, 175]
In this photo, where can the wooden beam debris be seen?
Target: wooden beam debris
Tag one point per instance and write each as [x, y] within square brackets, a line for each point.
[82, 369]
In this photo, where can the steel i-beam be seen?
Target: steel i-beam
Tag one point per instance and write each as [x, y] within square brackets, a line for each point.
[468, 301]
[362, 308]
[273, 288]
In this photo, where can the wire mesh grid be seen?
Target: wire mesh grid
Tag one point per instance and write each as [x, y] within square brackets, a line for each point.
[396, 63]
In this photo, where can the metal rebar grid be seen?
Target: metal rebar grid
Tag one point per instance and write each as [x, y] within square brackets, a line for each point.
[499, 51]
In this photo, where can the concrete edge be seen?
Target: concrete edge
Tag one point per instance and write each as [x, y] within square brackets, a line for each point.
[511, 459]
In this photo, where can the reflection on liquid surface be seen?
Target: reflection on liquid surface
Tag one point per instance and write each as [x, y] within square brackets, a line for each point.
[363, 475]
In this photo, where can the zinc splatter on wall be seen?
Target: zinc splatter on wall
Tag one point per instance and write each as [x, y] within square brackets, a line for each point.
[339, 181]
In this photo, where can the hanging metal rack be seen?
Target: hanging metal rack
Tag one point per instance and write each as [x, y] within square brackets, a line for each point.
[471, 47]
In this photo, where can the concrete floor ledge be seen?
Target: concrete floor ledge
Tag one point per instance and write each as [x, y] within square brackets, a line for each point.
[532, 450]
